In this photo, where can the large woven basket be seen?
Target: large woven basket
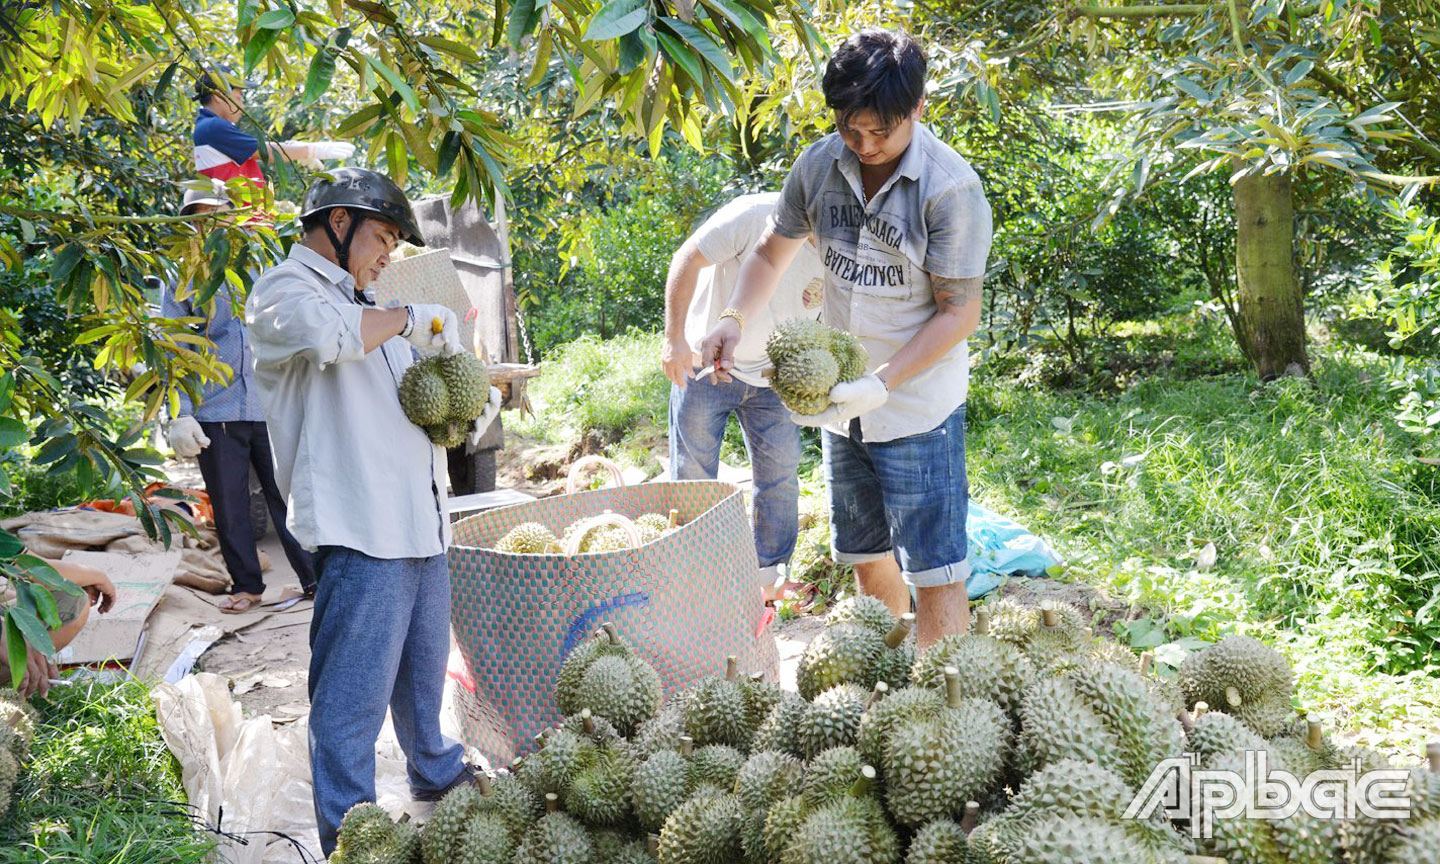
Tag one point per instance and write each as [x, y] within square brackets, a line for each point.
[684, 601]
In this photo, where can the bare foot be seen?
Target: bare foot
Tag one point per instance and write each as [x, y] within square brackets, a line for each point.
[236, 604]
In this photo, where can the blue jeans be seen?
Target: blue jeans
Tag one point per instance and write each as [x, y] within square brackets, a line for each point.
[697, 427]
[906, 498]
[380, 638]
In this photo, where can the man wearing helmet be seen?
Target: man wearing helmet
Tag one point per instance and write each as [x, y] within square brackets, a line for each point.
[226, 433]
[366, 489]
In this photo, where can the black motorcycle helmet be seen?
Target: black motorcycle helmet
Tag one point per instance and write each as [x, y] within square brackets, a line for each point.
[361, 192]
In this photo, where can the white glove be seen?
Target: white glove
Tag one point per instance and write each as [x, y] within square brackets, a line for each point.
[185, 436]
[420, 328]
[487, 416]
[849, 400]
[332, 149]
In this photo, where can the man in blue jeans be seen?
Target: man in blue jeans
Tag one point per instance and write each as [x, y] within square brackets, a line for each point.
[366, 489]
[904, 230]
[702, 275]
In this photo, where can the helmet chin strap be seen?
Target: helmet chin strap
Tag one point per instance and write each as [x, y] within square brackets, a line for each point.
[342, 249]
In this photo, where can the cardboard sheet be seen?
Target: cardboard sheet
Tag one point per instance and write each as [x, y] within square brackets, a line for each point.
[140, 580]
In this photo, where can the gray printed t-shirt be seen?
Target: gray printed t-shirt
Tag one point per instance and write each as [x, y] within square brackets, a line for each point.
[930, 218]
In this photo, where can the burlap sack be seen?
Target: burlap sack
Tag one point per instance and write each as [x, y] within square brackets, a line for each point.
[685, 602]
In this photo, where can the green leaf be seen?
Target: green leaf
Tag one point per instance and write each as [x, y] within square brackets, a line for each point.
[703, 42]
[449, 149]
[4, 484]
[245, 12]
[10, 545]
[317, 80]
[276, 19]
[35, 632]
[352, 124]
[69, 256]
[164, 83]
[678, 54]
[17, 654]
[56, 449]
[40, 602]
[7, 390]
[1191, 88]
[12, 432]
[395, 81]
[615, 19]
[451, 47]
[1298, 71]
[523, 16]
[258, 46]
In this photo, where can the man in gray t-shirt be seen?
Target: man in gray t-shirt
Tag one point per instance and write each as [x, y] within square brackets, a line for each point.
[903, 230]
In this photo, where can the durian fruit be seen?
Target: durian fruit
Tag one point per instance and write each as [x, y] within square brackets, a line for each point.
[663, 731]
[703, 830]
[598, 537]
[9, 773]
[604, 675]
[486, 839]
[662, 783]
[1244, 677]
[599, 794]
[832, 774]
[911, 703]
[555, 838]
[508, 798]
[467, 383]
[1053, 634]
[839, 654]
[810, 358]
[1367, 840]
[934, 765]
[369, 836]
[898, 657]
[443, 395]
[1303, 749]
[942, 841]
[761, 697]
[715, 710]
[1216, 734]
[553, 765]
[618, 847]
[717, 765]
[831, 720]
[1078, 840]
[423, 395]
[449, 434]
[994, 669]
[529, 538]
[1097, 713]
[766, 777]
[852, 829]
[778, 730]
[1299, 839]
[653, 526]
[590, 725]
[18, 715]
[870, 612]
[441, 834]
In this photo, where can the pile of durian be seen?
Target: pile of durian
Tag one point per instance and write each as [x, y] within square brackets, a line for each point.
[444, 394]
[810, 358]
[17, 732]
[604, 533]
[1020, 743]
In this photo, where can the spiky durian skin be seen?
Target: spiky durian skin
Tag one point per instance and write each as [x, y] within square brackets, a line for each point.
[1078, 840]
[467, 382]
[781, 822]
[18, 714]
[942, 841]
[870, 612]
[528, 538]
[661, 783]
[794, 336]
[1421, 845]
[447, 823]
[850, 356]
[766, 777]
[599, 794]
[831, 775]
[703, 830]
[615, 847]
[552, 767]
[514, 802]
[840, 654]
[610, 680]
[805, 377]
[1217, 733]
[368, 836]
[846, 831]
[875, 724]
[717, 765]
[447, 435]
[1367, 840]
[990, 669]
[661, 732]
[423, 395]
[9, 773]
[555, 838]
[486, 840]
[831, 720]
[933, 766]
[777, 730]
[715, 714]
[1259, 674]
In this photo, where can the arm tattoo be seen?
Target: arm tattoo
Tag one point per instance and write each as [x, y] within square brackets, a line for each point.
[952, 295]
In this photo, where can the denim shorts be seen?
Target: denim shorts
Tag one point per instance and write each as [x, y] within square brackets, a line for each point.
[907, 498]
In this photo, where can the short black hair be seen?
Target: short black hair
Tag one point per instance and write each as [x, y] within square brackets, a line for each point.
[875, 70]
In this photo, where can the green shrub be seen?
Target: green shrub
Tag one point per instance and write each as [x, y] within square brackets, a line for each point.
[612, 388]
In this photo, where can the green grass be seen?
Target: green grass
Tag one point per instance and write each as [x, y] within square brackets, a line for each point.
[101, 787]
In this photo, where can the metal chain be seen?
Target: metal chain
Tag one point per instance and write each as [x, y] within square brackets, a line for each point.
[524, 336]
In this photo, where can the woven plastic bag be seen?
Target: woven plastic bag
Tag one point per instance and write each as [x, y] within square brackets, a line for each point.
[685, 602]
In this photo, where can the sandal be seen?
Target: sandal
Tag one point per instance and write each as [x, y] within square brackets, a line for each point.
[238, 604]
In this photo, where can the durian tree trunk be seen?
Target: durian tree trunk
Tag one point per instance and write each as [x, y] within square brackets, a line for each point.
[1270, 320]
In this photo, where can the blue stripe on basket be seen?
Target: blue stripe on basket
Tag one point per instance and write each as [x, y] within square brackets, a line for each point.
[584, 624]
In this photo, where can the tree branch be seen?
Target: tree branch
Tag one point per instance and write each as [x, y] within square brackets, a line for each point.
[1141, 11]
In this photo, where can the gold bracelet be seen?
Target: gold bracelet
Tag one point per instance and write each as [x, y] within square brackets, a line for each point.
[732, 312]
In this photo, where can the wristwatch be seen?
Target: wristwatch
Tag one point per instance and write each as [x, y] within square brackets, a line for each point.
[732, 312]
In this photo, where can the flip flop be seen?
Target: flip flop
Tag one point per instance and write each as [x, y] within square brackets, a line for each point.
[238, 604]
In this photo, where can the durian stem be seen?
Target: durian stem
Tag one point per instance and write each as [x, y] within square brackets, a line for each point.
[901, 629]
[552, 802]
[861, 786]
[971, 817]
[587, 721]
[1187, 722]
[485, 784]
[674, 518]
[732, 668]
[1201, 709]
[1048, 616]
[953, 696]
[1232, 695]
[687, 746]
[982, 621]
[609, 628]
[1204, 859]
[881, 688]
[1146, 661]
[1432, 752]
[652, 845]
[1314, 734]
